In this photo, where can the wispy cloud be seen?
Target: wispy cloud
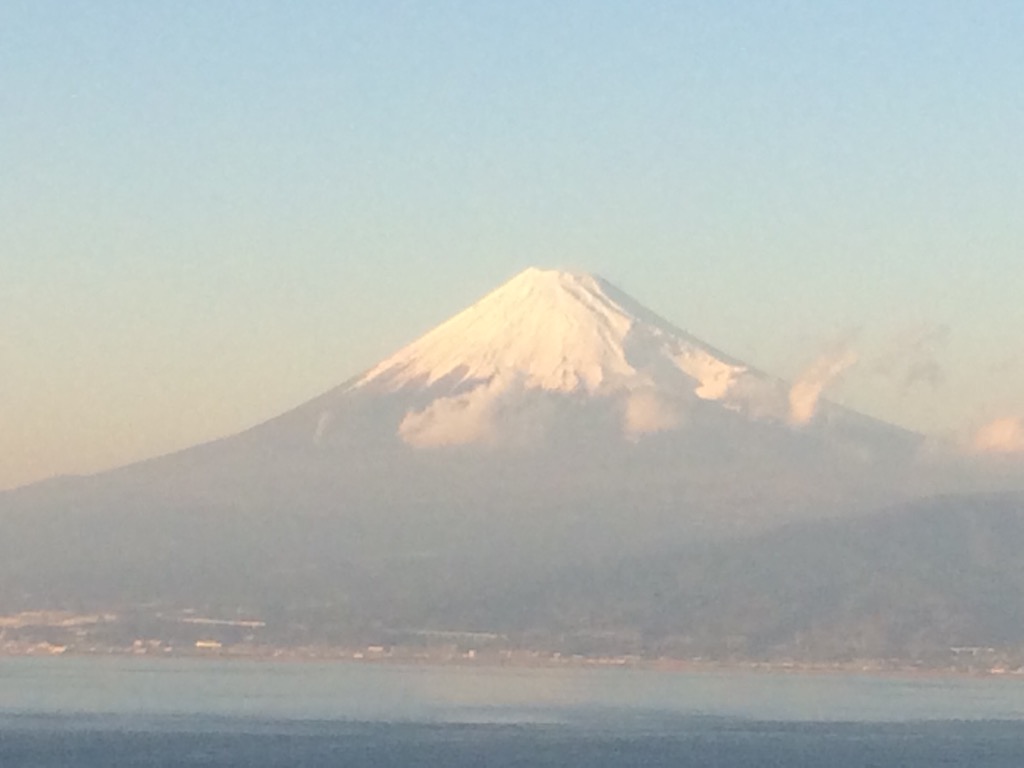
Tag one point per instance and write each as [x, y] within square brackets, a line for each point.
[912, 357]
[824, 371]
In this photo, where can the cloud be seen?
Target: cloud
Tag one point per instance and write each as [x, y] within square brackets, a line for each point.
[496, 412]
[815, 379]
[1002, 435]
[648, 412]
[450, 421]
[912, 357]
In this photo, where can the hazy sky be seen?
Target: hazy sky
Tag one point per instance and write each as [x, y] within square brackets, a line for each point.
[213, 211]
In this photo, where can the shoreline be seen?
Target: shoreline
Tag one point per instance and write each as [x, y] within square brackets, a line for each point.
[533, 660]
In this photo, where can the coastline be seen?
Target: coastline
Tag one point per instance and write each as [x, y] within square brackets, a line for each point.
[521, 659]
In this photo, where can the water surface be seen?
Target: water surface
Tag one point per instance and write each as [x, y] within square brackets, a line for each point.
[128, 712]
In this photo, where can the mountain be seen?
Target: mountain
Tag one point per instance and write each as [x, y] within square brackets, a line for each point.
[557, 387]
[555, 424]
[484, 377]
[911, 582]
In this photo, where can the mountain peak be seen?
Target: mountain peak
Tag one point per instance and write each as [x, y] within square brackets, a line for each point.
[560, 332]
[541, 277]
[547, 329]
[545, 348]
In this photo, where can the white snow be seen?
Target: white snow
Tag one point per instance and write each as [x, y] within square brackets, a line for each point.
[558, 332]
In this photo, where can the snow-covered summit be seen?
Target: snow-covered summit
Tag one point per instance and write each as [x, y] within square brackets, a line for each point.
[554, 352]
[478, 376]
[558, 331]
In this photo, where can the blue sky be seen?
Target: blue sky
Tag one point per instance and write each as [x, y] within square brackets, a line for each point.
[212, 211]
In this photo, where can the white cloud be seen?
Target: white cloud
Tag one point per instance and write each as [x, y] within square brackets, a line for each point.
[448, 421]
[1002, 435]
[814, 380]
[648, 412]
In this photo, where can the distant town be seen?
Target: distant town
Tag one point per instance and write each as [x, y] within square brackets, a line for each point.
[187, 633]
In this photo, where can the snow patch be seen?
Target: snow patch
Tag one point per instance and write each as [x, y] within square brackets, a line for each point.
[323, 423]
[715, 378]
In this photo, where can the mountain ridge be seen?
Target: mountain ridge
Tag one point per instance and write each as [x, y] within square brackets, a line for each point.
[555, 425]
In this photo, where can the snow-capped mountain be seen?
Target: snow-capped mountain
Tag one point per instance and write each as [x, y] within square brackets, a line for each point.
[554, 421]
[556, 384]
[503, 371]
[554, 458]
[556, 332]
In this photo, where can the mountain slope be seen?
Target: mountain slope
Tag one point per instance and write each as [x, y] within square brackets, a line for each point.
[554, 422]
[910, 583]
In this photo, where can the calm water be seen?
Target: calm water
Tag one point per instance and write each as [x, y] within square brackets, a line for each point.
[126, 712]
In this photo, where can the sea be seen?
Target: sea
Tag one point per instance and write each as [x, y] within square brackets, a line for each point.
[119, 711]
